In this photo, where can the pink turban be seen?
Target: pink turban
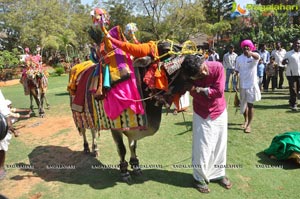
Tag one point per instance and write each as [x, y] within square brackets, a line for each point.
[248, 43]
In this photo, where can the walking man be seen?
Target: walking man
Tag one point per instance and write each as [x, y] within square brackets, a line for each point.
[246, 66]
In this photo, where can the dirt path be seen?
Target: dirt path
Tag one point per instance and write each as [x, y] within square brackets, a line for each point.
[9, 82]
[39, 132]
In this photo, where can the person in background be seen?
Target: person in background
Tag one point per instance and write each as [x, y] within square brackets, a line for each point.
[15, 112]
[246, 66]
[271, 72]
[213, 55]
[292, 59]
[260, 73]
[210, 121]
[278, 53]
[4, 110]
[229, 64]
[265, 56]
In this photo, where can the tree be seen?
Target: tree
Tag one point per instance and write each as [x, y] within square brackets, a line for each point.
[168, 19]
[215, 30]
[9, 59]
[49, 23]
[217, 10]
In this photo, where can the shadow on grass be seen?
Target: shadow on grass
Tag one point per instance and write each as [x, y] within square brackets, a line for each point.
[268, 162]
[275, 93]
[282, 106]
[56, 163]
[235, 126]
[275, 97]
[188, 126]
[62, 94]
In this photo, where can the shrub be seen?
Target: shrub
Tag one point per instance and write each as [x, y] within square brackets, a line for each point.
[59, 71]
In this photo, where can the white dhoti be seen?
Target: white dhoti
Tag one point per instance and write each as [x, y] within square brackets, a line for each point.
[209, 147]
[249, 95]
[5, 142]
[184, 101]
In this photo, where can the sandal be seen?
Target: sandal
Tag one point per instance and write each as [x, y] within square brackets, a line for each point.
[225, 182]
[247, 129]
[202, 187]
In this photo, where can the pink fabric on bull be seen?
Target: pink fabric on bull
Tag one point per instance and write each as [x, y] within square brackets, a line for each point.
[124, 94]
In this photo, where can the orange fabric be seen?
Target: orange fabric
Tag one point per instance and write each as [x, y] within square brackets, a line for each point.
[176, 100]
[137, 50]
[161, 80]
[142, 50]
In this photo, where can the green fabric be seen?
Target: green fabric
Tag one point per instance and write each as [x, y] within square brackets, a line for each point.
[283, 145]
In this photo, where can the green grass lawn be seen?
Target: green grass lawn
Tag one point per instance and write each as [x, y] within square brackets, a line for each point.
[170, 146]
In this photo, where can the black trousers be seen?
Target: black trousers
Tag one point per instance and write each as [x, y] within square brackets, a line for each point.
[294, 83]
[273, 79]
[280, 76]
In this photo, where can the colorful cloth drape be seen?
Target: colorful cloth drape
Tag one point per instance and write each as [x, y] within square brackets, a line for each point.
[283, 145]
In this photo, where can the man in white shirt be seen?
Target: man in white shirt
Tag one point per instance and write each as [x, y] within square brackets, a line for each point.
[279, 53]
[4, 110]
[213, 55]
[265, 56]
[246, 66]
[292, 59]
[229, 64]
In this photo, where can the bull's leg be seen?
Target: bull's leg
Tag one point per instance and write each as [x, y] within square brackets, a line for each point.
[118, 138]
[134, 161]
[41, 107]
[31, 99]
[95, 150]
[46, 101]
[86, 148]
[35, 94]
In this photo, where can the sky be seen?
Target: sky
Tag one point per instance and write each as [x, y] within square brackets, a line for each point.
[243, 3]
[87, 2]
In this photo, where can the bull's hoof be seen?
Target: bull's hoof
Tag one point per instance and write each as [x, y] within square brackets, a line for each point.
[126, 177]
[86, 151]
[137, 171]
[95, 154]
[86, 148]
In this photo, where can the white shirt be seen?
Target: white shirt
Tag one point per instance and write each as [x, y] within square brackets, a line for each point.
[5, 111]
[265, 55]
[229, 60]
[3, 105]
[247, 68]
[293, 67]
[279, 55]
[213, 57]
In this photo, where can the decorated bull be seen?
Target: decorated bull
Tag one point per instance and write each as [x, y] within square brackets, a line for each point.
[35, 82]
[123, 95]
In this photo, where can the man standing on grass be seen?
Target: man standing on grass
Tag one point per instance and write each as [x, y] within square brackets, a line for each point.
[4, 110]
[246, 66]
[210, 121]
[292, 59]
[229, 64]
[278, 53]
